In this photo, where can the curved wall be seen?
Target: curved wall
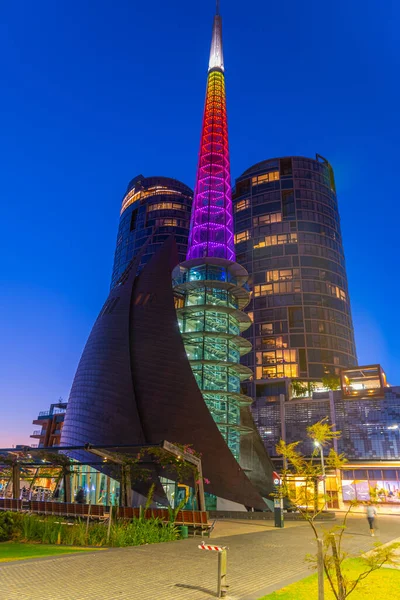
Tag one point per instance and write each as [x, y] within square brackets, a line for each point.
[134, 383]
[288, 238]
[153, 208]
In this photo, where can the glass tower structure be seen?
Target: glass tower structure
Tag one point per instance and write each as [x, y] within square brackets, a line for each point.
[209, 284]
[153, 207]
[287, 235]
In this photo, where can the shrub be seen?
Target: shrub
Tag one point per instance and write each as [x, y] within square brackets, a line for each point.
[6, 526]
[56, 530]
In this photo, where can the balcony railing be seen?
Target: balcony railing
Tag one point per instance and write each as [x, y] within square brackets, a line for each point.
[37, 432]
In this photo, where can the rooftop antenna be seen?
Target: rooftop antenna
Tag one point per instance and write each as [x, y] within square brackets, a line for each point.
[217, 8]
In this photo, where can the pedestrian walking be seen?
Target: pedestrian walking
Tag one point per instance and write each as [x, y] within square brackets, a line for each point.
[371, 514]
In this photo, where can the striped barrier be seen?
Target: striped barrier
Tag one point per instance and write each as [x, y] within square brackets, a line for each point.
[204, 546]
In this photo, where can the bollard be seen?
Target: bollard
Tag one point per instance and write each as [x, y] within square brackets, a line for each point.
[222, 567]
[222, 563]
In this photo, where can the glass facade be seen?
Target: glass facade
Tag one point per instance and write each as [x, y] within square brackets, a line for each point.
[380, 485]
[152, 207]
[209, 299]
[370, 427]
[288, 238]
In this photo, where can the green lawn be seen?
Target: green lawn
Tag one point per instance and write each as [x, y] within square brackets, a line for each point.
[384, 583]
[16, 551]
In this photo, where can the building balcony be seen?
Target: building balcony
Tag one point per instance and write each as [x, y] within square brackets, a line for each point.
[37, 433]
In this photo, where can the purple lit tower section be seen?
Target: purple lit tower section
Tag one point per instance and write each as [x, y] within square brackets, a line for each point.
[211, 227]
[209, 285]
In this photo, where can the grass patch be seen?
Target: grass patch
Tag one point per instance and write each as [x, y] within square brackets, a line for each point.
[16, 551]
[383, 583]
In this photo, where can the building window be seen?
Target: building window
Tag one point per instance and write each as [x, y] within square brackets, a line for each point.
[277, 371]
[276, 240]
[284, 287]
[267, 328]
[265, 178]
[286, 167]
[166, 223]
[179, 302]
[242, 205]
[296, 317]
[242, 237]
[133, 220]
[156, 190]
[336, 291]
[274, 342]
[166, 206]
[288, 207]
[267, 219]
[282, 275]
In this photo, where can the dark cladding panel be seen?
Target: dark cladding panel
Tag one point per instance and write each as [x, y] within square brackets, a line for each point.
[101, 407]
[169, 401]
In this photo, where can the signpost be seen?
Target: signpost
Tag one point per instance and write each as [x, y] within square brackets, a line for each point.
[278, 500]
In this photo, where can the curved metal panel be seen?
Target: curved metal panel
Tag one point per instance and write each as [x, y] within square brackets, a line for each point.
[169, 401]
[101, 407]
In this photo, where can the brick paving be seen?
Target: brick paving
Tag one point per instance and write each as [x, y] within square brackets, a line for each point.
[260, 558]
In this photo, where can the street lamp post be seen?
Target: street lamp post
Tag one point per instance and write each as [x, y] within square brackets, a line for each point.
[321, 450]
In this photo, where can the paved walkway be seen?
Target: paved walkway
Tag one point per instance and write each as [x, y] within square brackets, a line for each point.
[260, 558]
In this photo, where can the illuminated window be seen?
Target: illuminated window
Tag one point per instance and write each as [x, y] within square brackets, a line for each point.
[284, 287]
[274, 342]
[276, 363]
[179, 302]
[276, 240]
[242, 237]
[166, 222]
[166, 206]
[283, 275]
[155, 190]
[336, 291]
[267, 328]
[251, 316]
[263, 290]
[265, 178]
[242, 205]
[267, 219]
[277, 372]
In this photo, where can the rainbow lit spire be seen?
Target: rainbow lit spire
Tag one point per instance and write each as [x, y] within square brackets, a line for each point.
[211, 226]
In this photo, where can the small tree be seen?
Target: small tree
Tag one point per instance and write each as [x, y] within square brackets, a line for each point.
[331, 382]
[300, 483]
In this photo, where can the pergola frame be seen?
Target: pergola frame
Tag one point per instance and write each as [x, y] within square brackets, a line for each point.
[111, 454]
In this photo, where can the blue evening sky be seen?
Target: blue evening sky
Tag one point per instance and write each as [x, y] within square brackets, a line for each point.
[95, 92]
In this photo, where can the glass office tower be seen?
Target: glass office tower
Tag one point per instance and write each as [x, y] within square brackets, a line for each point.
[152, 206]
[287, 236]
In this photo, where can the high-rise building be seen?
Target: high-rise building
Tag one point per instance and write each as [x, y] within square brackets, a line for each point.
[152, 208]
[287, 234]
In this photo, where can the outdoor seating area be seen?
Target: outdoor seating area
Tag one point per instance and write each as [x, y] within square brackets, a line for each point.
[195, 520]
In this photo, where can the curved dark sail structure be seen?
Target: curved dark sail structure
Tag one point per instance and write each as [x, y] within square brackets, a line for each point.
[134, 383]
